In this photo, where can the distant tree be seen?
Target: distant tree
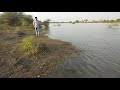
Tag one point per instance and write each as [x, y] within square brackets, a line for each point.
[86, 20]
[118, 20]
[77, 21]
[104, 21]
[111, 21]
[93, 21]
[82, 21]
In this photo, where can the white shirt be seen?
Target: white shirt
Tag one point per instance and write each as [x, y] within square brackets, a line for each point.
[36, 23]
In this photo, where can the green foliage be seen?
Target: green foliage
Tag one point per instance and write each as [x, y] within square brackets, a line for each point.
[15, 19]
[118, 20]
[25, 23]
[45, 24]
[43, 27]
[28, 45]
[11, 20]
[77, 21]
[30, 27]
[111, 21]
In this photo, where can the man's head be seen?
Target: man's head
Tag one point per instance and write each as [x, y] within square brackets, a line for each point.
[36, 18]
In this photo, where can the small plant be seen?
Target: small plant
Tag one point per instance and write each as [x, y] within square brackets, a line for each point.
[28, 45]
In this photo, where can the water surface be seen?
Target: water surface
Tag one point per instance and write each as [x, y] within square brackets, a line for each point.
[100, 51]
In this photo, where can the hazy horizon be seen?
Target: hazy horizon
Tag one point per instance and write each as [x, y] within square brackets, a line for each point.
[72, 16]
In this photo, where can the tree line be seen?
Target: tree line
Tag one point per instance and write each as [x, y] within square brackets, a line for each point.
[10, 20]
[93, 21]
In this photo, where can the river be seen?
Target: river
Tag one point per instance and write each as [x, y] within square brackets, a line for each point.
[99, 55]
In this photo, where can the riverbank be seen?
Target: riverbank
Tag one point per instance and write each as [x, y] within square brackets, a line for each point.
[15, 64]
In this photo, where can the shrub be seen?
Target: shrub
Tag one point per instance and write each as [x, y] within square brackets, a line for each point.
[27, 26]
[28, 45]
[30, 26]
[43, 27]
[5, 27]
[24, 23]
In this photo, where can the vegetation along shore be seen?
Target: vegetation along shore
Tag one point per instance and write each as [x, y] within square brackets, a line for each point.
[22, 54]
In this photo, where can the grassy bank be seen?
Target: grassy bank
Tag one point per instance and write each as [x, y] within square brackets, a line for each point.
[23, 55]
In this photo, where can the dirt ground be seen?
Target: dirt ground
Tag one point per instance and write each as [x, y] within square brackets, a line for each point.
[14, 64]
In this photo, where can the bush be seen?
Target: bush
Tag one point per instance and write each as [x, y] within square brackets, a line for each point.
[30, 26]
[27, 26]
[28, 45]
[5, 27]
[24, 23]
[43, 27]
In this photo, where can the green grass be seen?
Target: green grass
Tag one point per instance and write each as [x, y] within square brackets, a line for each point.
[28, 45]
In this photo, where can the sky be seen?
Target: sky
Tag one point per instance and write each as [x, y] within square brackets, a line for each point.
[72, 16]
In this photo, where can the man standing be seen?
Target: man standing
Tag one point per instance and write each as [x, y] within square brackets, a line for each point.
[36, 24]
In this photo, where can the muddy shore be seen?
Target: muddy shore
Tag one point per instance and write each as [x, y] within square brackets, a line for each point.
[14, 64]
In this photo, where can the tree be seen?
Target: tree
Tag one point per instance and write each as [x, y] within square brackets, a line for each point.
[70, 22]
[108, 21]
[16, 19]
[118, 20]
[86, 20]
[104, 21]
[10, 18]
[77, 21]
[111, 21]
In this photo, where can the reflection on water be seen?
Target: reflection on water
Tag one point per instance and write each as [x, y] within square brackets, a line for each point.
[100, 51]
